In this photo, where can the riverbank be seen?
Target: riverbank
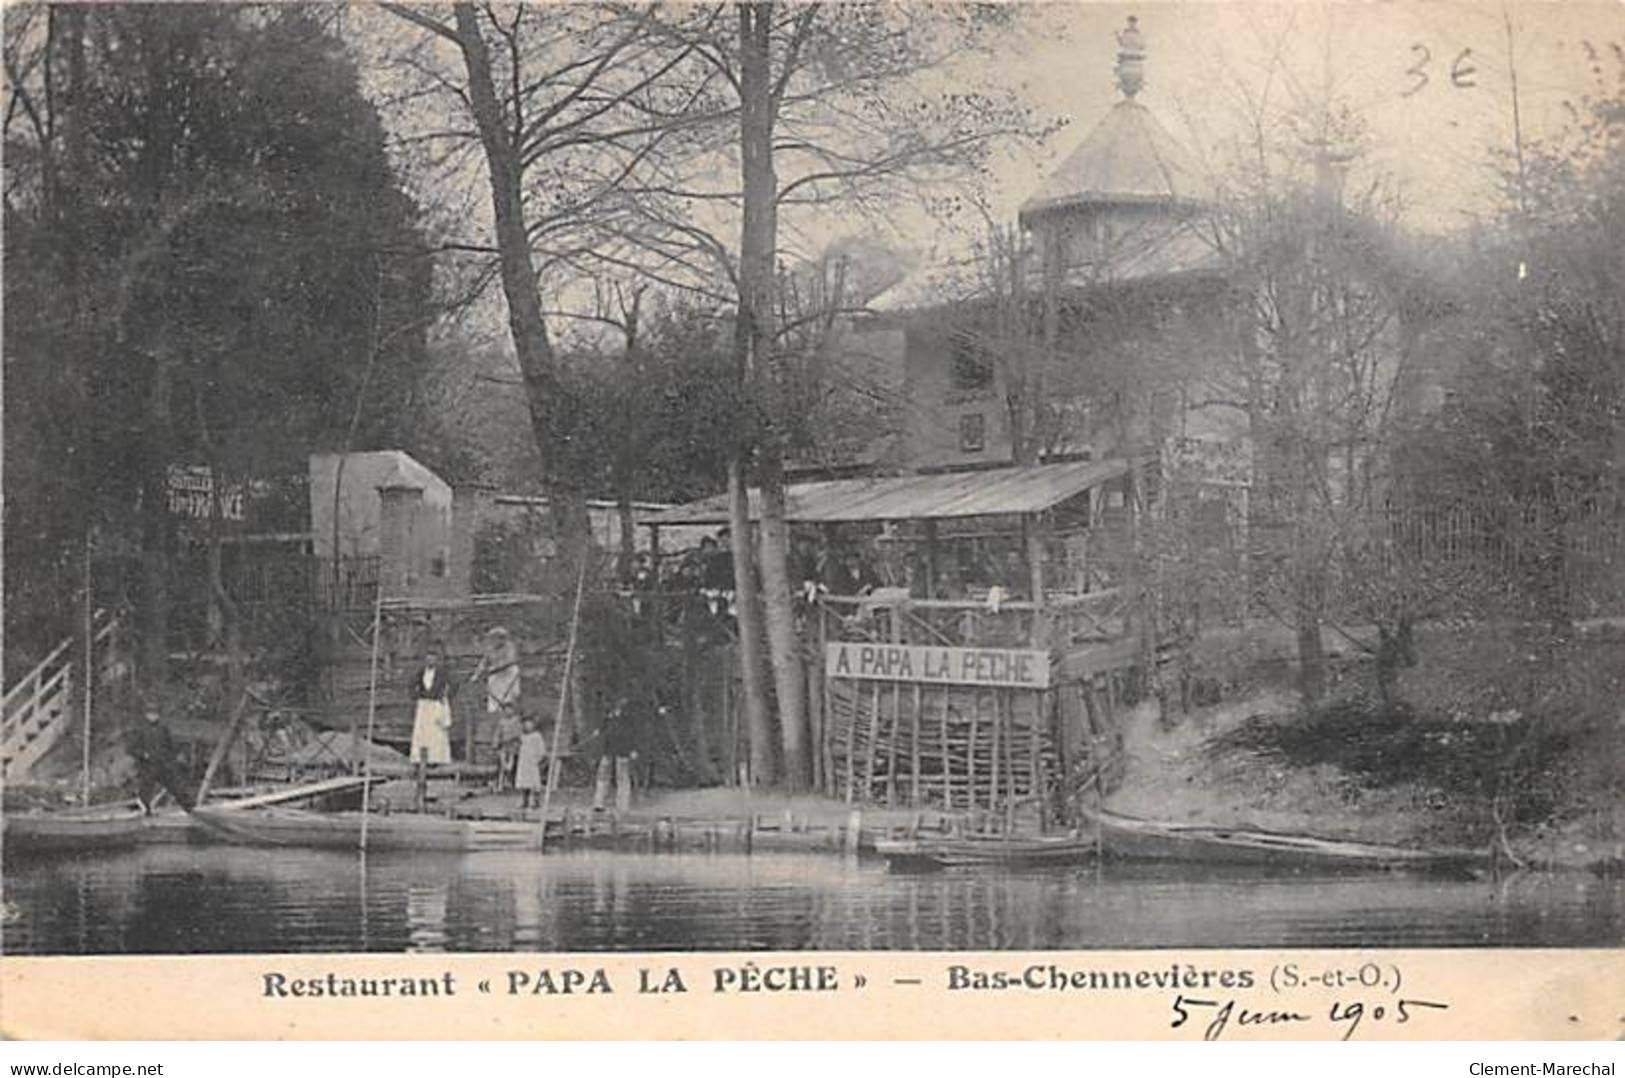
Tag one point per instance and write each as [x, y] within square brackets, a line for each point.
[1499, 738]
[1489, 744]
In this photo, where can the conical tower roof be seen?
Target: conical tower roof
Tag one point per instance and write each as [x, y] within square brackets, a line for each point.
[1129, 158]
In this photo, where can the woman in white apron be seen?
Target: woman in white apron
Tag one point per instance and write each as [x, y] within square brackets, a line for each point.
[430, 690]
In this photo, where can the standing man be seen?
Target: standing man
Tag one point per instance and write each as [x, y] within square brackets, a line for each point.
[854, 577]
[154, 753]
[622, 725]
[719, 562]
[718, 583]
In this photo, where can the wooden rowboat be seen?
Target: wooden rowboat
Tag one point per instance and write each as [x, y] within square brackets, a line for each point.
[342, 830]
[109, 827]
[1131, 838]
[945, 852]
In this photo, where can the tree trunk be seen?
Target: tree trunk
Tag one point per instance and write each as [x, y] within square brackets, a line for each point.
[1387, 665]
[628, 553]
[1023, 395]
[758, 721]
[754, 343]
[1308, 566]
[156, 535]
[227, 620]
[553, 414]
[704, 767]
[226, 615]
[1311, 649]
[1143, 597]
[783, 644]
[629, 452]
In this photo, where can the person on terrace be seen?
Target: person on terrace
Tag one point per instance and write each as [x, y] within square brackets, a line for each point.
[430, 690]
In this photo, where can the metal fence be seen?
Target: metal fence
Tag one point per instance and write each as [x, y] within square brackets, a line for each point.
[1570, 552]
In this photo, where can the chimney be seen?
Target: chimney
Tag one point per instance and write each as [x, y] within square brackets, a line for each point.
[398, 570]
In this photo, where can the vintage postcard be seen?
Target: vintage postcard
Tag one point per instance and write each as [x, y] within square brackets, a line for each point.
[780, 520]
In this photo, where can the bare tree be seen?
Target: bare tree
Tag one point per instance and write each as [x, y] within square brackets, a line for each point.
[1318, 365]
[834, 109]
[567, 103]
[609, 135]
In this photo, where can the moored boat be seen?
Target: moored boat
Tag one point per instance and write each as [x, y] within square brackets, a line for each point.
[963, 852]
[343, 830]
[108, 827]
[1130, 838]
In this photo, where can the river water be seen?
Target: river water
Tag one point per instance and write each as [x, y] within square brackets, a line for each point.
[212, 900]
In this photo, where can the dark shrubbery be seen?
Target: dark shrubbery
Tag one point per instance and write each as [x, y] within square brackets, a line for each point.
[1521, 763]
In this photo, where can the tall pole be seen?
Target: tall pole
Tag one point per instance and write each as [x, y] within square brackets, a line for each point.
[564, 695]
[1517, 114]
[90, 681]
[372, 711]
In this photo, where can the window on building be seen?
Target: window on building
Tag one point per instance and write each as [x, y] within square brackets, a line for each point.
[972, 433]
[972, 366]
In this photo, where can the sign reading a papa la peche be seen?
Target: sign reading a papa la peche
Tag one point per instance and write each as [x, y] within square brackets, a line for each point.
[1007, 667]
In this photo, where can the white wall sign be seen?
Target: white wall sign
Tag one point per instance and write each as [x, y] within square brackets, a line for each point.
[1007, 667]
[191, 494]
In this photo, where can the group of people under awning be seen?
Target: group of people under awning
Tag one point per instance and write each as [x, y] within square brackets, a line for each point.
[825, 563]
[888, 559]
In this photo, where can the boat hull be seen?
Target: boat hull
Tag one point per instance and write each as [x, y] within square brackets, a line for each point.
[35, 832]
[1129, 838]
[938, 853]
[343, 830]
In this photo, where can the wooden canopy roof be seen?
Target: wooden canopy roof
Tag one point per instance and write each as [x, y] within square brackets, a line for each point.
[995, 492]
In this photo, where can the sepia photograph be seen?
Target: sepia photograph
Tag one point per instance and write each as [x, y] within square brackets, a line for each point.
[787, 477]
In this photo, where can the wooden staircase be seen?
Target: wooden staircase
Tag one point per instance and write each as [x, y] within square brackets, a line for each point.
[39, 710]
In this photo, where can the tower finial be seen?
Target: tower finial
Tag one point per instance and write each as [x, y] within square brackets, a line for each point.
[1130, 68]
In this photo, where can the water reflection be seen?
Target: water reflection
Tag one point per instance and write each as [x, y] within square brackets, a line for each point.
[225, 899]
[426, 905]
[527, 914]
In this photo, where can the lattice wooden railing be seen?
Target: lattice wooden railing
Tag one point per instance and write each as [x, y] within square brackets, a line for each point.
[38, 709]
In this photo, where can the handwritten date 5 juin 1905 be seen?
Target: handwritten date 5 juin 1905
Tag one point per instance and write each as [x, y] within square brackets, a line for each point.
[1345, 1015]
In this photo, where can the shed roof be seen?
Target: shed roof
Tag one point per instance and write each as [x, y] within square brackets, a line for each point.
[996, 492]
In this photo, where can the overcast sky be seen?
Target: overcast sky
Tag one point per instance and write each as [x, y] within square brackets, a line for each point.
[1435, 139]
[1391, 61]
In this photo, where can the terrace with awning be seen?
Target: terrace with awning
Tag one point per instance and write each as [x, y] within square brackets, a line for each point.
[1013, 556]
[993, 646]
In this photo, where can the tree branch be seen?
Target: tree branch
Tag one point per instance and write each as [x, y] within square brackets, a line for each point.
[434, 26]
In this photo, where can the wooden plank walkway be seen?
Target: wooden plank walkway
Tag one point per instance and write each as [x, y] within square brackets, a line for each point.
[326, 787]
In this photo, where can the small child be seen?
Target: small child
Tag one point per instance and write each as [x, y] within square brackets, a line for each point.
[528, 766]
